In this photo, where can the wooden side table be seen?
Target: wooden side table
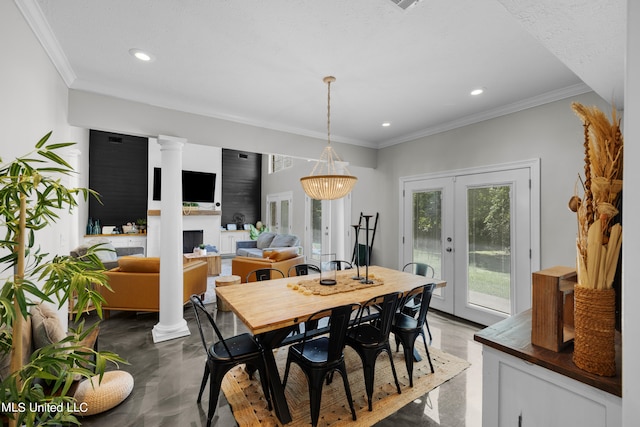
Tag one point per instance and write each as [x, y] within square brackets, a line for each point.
[214, 262]
[225, 281]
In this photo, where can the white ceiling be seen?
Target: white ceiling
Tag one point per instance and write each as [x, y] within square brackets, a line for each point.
[262, 62]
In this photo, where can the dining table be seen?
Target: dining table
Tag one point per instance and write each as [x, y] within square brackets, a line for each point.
[271, 309]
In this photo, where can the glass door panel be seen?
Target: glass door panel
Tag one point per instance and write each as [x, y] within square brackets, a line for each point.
[284, 216]
[489, 237]
[428, 233]
[427, 230]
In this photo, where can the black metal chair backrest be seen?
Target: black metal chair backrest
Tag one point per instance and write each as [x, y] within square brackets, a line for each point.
[340, 265]
[303, 269]
[420, 268]
[199, 308]
[385, 306]
[427, 292]
[265, 274]
[339, 318]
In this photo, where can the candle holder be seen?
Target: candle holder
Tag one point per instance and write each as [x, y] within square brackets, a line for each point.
[356, 229]
[328, 269]
[366, 280]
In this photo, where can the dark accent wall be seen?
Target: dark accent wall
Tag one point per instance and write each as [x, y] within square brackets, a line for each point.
[118, 166]
[241, 186]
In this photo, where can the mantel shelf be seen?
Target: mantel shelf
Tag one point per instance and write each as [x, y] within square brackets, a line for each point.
[185, 212]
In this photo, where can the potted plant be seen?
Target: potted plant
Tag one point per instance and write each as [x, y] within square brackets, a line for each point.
[142, 225]
[257, 230]
[203, 249]
[31, 194]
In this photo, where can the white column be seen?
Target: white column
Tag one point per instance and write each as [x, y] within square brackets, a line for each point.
[171, 323]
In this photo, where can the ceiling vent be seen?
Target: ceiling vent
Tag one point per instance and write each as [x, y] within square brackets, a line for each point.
[405, 4]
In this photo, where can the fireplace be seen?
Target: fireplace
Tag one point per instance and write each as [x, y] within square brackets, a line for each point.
[191, 239]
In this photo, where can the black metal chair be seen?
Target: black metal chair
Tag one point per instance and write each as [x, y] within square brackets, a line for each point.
[371, 338]
[320, 357]
[224, 354]
[265, 274]
[341, 264]
[303, 269]
[420, 268]
[406, 329]
[412, 306]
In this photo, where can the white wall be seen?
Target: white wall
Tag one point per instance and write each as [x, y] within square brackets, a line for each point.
[195, 157]
[550, 132]
[34, 102]
[94, 111]
[631, 227]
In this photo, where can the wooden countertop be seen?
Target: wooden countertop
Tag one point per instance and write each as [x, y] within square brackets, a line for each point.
[513, 336]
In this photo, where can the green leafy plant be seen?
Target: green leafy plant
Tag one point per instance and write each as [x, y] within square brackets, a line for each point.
[31, 195]
[254, 231]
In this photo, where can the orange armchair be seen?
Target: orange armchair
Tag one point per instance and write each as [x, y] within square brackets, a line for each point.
[136, 284]
[242, 265]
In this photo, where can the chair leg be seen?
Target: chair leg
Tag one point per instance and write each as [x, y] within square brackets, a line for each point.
[428, 330]
[343, 372]
[286, 373]
[315, 395]
[393, 368]
[205, 377]
[369, 374]
[407, 347]
[427, 350]
[215, 384]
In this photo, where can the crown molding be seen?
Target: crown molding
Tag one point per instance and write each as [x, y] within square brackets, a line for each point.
[35, 18]
[545, 98]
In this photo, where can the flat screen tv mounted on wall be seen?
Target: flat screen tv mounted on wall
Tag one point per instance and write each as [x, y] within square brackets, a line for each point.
[196, 186]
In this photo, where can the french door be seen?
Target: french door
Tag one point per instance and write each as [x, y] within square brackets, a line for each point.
[327, 229]
[279, 212]
[475, 229]
[317, 229]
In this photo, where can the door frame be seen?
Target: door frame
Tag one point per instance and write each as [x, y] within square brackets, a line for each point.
[534, 167]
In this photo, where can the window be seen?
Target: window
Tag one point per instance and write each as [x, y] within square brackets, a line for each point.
[278, 162]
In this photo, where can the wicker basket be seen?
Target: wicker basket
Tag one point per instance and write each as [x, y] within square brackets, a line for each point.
[595, 320]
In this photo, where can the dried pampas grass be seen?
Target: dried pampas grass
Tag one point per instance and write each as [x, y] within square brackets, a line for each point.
[599, 236]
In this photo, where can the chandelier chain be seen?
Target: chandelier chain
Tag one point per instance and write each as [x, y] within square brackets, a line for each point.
[329, 112]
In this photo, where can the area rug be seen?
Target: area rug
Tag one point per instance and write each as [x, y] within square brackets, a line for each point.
[250, 408]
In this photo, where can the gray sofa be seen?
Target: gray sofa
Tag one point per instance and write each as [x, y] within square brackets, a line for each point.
[109, 258]
[266, 242]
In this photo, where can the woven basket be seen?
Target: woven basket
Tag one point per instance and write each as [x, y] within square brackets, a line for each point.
[595, 321]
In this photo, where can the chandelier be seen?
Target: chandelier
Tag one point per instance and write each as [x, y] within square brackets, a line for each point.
[324, 182]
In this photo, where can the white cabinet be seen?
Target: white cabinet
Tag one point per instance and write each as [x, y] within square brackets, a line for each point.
[120, 240]
[228, 240]
[519, 393]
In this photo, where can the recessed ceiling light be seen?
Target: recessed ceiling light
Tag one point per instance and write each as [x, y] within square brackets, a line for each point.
[386, 124]
[478, 91]
[141, 55]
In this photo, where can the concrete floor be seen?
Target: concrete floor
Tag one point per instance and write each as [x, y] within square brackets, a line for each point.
[167, 375]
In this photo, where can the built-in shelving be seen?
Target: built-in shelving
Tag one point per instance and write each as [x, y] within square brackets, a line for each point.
[186, 212]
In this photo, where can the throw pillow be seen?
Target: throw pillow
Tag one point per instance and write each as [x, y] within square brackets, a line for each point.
[284, 241]
[45, 326]
[134, 264]
[282, 254]
[264, 240]
[106, 251]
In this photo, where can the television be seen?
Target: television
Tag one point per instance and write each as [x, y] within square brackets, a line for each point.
[196, 186]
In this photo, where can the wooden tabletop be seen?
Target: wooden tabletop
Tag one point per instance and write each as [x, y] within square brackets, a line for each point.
[271, 304]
